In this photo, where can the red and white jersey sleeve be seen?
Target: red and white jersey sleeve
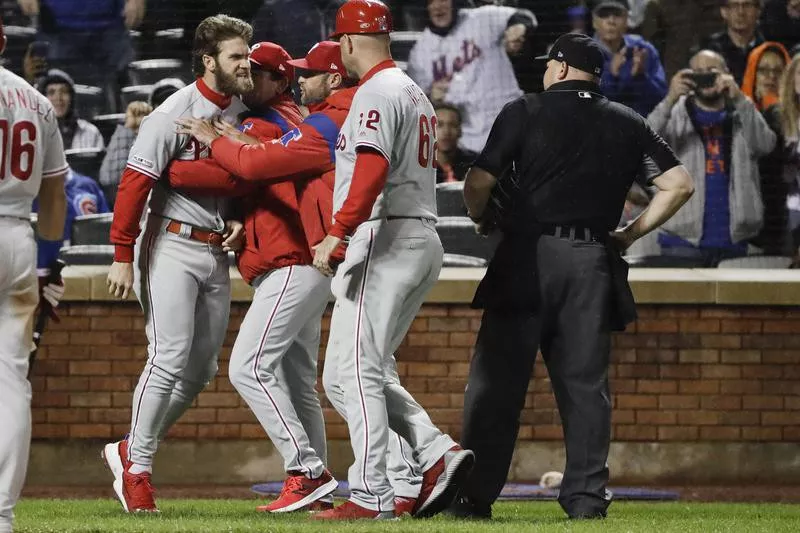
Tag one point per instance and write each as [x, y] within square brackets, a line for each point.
[391, 115]
[30, 145]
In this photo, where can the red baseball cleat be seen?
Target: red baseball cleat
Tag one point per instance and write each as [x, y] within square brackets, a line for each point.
[300, 491]
[319, 505]
[404, 505]
[138, 493]
[134, 491]
[352, 511]
[440, 483]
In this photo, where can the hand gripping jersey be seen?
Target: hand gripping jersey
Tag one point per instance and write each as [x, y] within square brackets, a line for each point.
[30, 145]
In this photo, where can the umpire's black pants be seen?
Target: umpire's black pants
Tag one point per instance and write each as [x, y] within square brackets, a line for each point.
[572, 328]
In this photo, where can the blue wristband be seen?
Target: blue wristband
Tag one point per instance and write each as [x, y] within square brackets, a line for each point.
[47, 253]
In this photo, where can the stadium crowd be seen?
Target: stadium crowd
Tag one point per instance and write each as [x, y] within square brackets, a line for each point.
[718, 79]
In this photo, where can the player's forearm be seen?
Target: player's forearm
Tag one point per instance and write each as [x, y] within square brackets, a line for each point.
[52, 209]
[369, 178]
[271, 161]
[131, 198]
[667, 201]
[205, 177]
[478, 187]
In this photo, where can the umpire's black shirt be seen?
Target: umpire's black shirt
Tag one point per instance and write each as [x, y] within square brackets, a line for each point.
[575, 155]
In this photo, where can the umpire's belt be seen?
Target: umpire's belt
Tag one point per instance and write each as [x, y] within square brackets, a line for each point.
[573, 233]
[188, 232]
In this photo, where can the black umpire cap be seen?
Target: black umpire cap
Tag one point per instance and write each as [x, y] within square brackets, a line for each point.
[578, 51]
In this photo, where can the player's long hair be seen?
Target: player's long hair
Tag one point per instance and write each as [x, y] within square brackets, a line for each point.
[790, 101]
[211, 32]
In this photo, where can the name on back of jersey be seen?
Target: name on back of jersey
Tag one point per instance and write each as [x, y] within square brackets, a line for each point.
[12, 98]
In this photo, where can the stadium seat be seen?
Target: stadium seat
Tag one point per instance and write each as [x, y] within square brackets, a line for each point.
[450, 199]
[86, 161]
[663, 261]
[108, 123]
[134, 93]
[87, 254]
[91, 229]
[457, 260]
[19, 38]
[458, 237]
[89, 101]
[166, 42]
[402, 43]
[757, 261]
[149, 71]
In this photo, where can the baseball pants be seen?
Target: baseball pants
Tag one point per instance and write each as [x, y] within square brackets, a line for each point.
[184, 289]
[19, 296]
[274, 364]
[388, 270]
[572, 327]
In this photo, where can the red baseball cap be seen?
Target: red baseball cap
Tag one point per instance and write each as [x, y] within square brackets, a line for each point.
[325, 56]
[272, 57]
[362, 17]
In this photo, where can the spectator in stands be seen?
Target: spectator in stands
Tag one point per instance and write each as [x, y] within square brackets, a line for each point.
[762, 85]
[84, 197]
[118, 148]
[163, 89]
[452, 161]
[76, 133]
[718, 134]
[633, 74]
[780, 21]
[790, 124]
[122, 140]
[675, 27]
[296, 24]
[89, 37]
[462, 58]
[740, 36]
[762, 76]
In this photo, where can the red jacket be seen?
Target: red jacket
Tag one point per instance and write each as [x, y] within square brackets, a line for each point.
[274, 236]
[304, 157]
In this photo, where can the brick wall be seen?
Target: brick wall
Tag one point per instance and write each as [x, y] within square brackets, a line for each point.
[681, 373]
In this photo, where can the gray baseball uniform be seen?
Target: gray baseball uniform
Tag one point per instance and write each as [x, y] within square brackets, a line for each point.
[30, 150]
[274, 363]
[392, 261]
[182, 284]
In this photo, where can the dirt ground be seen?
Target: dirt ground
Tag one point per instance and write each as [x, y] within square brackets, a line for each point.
[750, 493]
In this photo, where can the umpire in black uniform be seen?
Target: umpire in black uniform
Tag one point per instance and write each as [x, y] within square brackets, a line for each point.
[560, 163]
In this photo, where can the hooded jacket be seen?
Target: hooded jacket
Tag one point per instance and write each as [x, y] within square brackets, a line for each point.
[75, 132]
[749, 138]
[751, 74]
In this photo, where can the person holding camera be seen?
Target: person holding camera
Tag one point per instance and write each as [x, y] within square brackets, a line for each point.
[719, 135]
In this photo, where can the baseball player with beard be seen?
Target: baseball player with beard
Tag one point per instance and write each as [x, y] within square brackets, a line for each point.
[32, 164]
[384, 200]
[178, 266]
[303, 155]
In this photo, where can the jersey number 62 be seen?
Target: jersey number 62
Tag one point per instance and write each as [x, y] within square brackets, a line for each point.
[427, 141]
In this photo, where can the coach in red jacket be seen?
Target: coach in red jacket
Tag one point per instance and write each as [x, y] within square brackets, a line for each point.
[305, 157]
[274, 359]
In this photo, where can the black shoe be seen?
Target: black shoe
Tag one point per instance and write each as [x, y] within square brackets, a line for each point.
[465, 509]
